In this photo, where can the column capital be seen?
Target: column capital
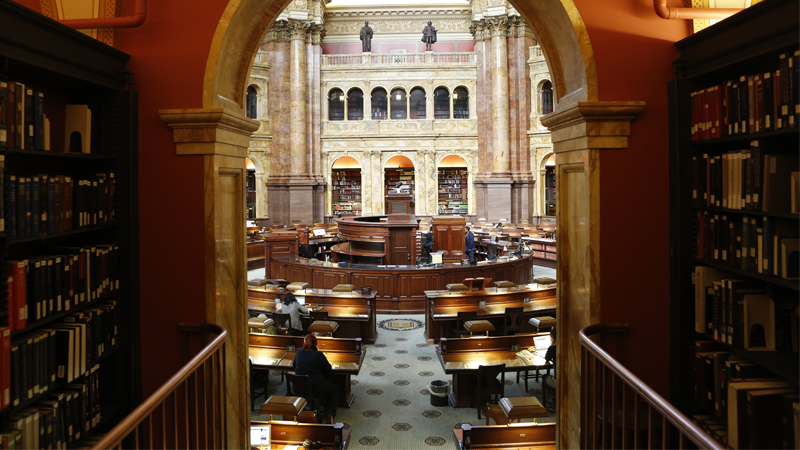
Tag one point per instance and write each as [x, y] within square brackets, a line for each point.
[278, 32]
[517, 27]
[592, 125]
[478, 30]
[209, 131]
[298, 29]
[497, 26]
[317, 34]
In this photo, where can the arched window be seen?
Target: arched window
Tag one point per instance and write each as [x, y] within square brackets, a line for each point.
[379, 106]
[336, 105]
[460, 103]
[417, 110]
[252, 103]
[547, 98]
[398, 104]
[355, 104]
[441, 103]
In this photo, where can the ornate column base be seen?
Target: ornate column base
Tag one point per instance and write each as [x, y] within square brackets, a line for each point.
[493, 198]
[522, 196]
[290, 201]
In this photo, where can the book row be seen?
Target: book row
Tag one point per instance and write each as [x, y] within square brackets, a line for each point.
[764, 245]
[741, 404]
[24, 126]
[747, 180]
[41, 286]
[60, 419]
[749, 104]
[43, 204]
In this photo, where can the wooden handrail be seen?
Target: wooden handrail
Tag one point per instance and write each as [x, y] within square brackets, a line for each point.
[130, 424]
[682, 423]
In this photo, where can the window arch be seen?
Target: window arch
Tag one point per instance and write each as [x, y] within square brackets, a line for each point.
[336, 105]
[397, 104]
[417, 104]
[252, 102]
[460, 103]
[379, 106]
[441, 103]
[547, 98]
[355, 104]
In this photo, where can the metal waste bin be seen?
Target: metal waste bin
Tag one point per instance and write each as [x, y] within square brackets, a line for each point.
[439, 390]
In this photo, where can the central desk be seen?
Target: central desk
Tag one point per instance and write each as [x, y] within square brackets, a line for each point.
[461, 358]
[353, 311]
[442, 307]
[272, 352]
[400, 288]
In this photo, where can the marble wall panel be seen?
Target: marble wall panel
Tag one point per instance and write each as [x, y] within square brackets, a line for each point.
[513, 103]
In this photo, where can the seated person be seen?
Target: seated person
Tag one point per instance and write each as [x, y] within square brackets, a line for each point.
[312, 362]
[550, 357]
[294, 309]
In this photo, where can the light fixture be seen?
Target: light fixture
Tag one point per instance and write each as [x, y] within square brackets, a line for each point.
[341, 97]
[455, 95]
[397, 96]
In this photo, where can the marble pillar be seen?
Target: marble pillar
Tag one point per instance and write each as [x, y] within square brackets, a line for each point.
[316, 123]
[579, 133]
[500, 106]
[297, 101]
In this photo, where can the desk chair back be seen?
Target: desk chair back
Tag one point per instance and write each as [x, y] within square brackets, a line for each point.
[259, 380]
[300, 386]
[512, 321]
[488, 386]
[283, 323]
[461, 318]
[318, 315]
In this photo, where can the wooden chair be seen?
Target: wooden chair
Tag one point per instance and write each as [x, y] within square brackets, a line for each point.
[283, 323]
[461, 318]
[525, 375]
[259, 381]
[300, 386]
[487, 385]
[318, 315]
[512, 321]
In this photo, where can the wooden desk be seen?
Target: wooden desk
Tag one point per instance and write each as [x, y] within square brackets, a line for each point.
[354, 312]
[442, 307]
[502, 437]
[269, 352]
[332, 436]
[460, 357]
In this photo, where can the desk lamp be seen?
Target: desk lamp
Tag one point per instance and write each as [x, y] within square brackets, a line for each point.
[297, 286]
[283, 405]
[504, 284]
[517, 408]
[343, 288]
[456, 288]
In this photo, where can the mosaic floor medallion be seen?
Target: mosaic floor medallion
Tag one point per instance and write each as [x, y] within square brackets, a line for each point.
[401, 426]
[377, 373]
[379, 345]
[423, 358]
[422, 345]
[435, 441]
[378, 358]
[400, 324]
[402, 383]
[374, 392]
[431, 414]
[425, 392]
[401, 402]
[353, 382]
[401, 352]
[401, 339]
[401, 366]
[372, 414]
[369, 440]
[426, 373]
[509, 382]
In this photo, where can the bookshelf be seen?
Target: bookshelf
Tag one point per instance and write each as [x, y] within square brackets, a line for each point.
[550, 191]
[452, 191]
[346, 191]
[250, 192]
[392, 176]
[730, 189]
[70, 254]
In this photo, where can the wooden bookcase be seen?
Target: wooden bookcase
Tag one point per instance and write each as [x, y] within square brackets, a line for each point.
[550, 191]
[392, 176]
[747, 44]
[452, 191]
[250, 192]
[346, 191]
[68, 67]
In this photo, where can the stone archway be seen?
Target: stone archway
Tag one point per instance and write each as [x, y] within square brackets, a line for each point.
[581, 126]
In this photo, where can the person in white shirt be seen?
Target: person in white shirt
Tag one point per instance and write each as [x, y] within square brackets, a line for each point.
[294, 309]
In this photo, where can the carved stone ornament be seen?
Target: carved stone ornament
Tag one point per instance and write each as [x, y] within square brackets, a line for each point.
[299, 30]
[278, 32]
[497, 26]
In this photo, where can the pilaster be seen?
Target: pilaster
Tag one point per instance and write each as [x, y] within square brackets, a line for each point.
[498, 27]
[579, 134]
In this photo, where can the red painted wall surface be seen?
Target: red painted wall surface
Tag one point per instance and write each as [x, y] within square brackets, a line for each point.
[387, 47]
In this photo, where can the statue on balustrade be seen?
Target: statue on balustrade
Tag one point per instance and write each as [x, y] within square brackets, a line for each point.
[429, 36]
[366, 37]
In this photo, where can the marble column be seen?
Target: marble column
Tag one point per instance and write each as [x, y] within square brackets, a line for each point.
[367, 103]
[297, 100]
[500, 125]
[317, 33]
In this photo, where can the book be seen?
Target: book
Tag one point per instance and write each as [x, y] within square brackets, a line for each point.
[19, 308]
[19, 116]
[763, 418]
[5, 367]
[30, 115]
[38, 120]
[777, 181]
[790, 258]
[702, 279]
[11, 124]
[758, 322]
[738, 429]
[3, 114]
[736, 292]
[78, 129]
[795, 192]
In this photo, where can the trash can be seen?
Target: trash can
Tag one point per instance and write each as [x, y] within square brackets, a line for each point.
[439, 390]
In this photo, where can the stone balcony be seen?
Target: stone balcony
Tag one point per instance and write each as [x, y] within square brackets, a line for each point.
[464, 59]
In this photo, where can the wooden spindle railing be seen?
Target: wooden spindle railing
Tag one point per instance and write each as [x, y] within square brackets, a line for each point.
[188, 411]
[618, 410]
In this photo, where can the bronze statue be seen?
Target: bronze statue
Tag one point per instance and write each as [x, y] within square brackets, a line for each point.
[366, 37]
[428, 36]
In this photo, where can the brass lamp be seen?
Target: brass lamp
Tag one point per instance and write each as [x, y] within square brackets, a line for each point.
[456, 287]
[283, 405]
[516, 408]
[343, 288]
[297, 286]
[504, 284]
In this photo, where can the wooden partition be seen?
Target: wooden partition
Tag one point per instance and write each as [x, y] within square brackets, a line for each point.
[332, 436]
[448, 237]
[501, 437]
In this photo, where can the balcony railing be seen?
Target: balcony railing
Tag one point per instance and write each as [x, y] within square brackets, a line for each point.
[618, 410]
[461, 58]
[188, 411]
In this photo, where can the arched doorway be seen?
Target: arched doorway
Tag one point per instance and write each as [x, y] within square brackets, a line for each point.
[346, 186]
[453, 190]
[250, 188]
[398, 169]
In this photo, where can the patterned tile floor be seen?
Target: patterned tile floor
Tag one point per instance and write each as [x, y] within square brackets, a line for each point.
[392, 407]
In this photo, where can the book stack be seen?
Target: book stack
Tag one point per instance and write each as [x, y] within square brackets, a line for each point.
[43, 204]
[749, 104]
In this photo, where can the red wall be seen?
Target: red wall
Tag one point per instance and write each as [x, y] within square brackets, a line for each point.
[633, 50]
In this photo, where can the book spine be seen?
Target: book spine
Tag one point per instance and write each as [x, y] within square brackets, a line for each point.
[38, 120]
[51, 205]
[19, 116]
[11, 122]
[29, 119]
[11, 206]
[35, 205]
[3, 114]
[21, 206]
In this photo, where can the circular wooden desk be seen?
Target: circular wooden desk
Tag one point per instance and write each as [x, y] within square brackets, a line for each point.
[400, 288]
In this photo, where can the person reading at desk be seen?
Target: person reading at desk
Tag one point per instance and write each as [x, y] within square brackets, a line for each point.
[550, 357]
[312, 362]
[291, 306]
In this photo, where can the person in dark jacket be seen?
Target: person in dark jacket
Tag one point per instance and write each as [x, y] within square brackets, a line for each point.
[550, 357]
[469, 244]
[312, 362]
